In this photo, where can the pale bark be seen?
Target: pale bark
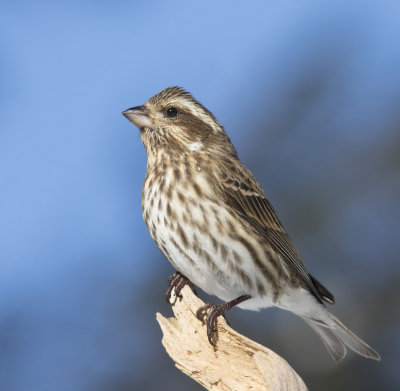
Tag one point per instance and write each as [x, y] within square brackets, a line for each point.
[237, 363]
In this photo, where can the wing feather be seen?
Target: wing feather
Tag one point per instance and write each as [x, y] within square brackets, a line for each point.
[244, 195]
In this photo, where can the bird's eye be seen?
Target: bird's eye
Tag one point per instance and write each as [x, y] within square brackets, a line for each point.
[172, 112]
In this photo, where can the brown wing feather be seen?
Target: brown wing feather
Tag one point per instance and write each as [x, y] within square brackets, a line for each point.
[244, 195]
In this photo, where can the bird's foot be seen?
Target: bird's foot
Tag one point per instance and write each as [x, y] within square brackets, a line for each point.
[215, 310]
[210, 319]
[177, 281]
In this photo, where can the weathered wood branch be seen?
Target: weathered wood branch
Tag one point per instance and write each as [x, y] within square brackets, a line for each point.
[237, 363]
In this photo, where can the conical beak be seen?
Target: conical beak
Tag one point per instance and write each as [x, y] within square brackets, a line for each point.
[139, 115]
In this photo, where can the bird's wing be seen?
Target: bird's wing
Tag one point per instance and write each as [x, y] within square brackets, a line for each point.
[244, 195]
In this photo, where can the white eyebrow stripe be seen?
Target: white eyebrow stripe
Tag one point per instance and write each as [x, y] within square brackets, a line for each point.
[197, 111]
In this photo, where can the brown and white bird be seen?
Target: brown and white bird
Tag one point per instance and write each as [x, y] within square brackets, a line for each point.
[213, 222]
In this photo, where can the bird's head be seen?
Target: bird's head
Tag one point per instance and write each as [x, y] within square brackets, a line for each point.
[174, 121]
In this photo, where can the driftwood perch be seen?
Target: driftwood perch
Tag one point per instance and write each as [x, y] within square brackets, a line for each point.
[236, 364]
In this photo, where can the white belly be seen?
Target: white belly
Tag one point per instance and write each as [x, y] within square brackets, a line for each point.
[196, 237]
[200, 238]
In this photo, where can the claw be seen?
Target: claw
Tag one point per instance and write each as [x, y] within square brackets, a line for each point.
[177, 281]
[216, 310]
[201, 312]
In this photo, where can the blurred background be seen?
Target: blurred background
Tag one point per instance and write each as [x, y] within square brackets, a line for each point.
[309, 93]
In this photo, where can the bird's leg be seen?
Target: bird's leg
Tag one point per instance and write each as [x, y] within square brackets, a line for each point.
[177, 281]
[215, 311]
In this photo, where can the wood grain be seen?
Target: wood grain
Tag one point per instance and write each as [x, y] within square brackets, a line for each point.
[237, 363]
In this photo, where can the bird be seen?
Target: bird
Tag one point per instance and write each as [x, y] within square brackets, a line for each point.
[212, 220]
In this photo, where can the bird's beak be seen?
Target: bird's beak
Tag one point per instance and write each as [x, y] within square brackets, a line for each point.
[139, 115]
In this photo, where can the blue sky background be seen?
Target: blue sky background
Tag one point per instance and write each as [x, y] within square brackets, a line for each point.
[309, 93]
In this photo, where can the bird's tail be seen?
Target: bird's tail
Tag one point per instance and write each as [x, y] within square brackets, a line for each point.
[337, 336]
